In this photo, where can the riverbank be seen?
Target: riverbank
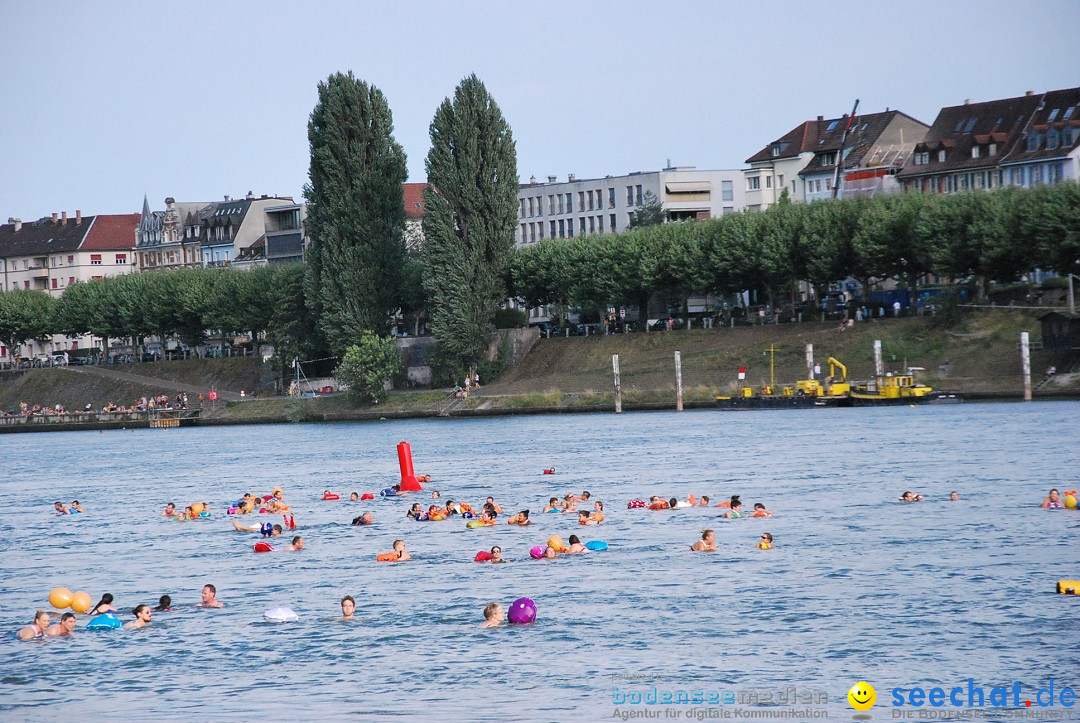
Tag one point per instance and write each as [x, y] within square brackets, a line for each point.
[977, 356]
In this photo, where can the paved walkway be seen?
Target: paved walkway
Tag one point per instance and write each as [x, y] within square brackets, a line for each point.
[152, 381]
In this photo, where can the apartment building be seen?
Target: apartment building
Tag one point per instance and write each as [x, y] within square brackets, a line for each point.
[802, 163]
[51, 254]
[577, 207]
[1023, 141]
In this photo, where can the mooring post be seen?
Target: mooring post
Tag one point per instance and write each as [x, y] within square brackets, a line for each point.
[879, 367]
[678, 382]
[1025, 361]
[618, 385]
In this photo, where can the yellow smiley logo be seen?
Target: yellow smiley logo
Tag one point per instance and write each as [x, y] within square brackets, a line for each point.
[862, 696]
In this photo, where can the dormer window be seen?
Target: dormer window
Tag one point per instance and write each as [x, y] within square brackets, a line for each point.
[970, 125]
[993, 149]
[974, 151]
[832, 125]
[1034, 140]
[1053, 115]
[776, 150]
[1052, 139]
[1068, 113]
[922, 158]
[941, 156]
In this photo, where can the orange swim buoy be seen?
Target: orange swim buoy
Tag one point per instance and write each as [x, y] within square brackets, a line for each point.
[692, 500]
[387, 557]
[761, 513]
[723, 504]
[661, 505]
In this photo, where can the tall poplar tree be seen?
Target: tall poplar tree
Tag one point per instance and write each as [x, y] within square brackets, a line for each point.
[356, 211]
[470, 209]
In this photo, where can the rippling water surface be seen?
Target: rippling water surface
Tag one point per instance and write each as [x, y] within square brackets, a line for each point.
[858, 587]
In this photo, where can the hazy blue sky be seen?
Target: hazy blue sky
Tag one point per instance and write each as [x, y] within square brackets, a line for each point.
[101, 102]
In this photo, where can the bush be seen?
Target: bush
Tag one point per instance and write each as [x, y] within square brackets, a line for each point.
[366, 367]
[510, 319]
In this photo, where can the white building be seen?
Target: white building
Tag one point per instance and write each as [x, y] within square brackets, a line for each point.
[576, 207]
[52, 254]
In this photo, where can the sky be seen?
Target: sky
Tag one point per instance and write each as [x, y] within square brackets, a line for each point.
[104, 102]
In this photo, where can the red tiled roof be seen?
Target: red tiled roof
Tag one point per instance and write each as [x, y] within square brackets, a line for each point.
[111, 232]
[414, 199]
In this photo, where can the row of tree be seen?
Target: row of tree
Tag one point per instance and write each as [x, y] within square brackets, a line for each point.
[358, 272]
[982, 236]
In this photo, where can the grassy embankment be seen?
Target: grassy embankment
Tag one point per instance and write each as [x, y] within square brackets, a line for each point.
[978, 356]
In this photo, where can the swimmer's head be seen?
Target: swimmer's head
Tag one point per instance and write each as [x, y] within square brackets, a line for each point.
[673, 502]
[492, 611]
[399, 545]
[574, 540]
[758, 506]
[586, 494]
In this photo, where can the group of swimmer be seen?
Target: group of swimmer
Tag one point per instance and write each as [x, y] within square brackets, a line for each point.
[75, 509]
[142, 613]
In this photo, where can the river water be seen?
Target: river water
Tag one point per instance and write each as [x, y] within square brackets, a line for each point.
[858, 587]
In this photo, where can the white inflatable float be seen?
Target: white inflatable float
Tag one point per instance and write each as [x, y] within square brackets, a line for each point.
[280, 615]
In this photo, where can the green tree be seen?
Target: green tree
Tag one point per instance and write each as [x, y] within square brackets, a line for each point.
[356, 210]
[650, 212]
[367, 366]
[470, 210]
[26, 315]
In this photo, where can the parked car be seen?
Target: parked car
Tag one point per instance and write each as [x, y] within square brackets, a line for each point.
[58, 360]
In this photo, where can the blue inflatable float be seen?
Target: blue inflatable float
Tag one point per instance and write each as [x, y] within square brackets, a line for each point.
[388, 492]
[108, 621]
[596, 545]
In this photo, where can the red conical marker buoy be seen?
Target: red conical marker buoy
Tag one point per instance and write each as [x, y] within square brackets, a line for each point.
[409, 483]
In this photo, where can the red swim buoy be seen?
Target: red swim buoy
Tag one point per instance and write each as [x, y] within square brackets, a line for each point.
[331, 496]
[482, 556]
[549, 470]
[367, 496]
[263, 547]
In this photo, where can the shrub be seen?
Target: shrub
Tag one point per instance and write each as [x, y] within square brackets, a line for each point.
[367, 366]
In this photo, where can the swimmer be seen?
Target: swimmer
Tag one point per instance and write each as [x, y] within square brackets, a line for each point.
[169, 511]
[76, 507]
[435, 494]
[552, 505]
[1052, 501]
[415, 512]
[575, 546]
[434, 512]
[674, 504]
[707, 543]
[681, 504]
[569, 503]
[584, 497]
[494, 505]
[729, 503]
[493, 615]
[209, 598]
[142, 614]
[598, 512]
[348, 608]
[59, 508]
[241, 527]
[164, 605]
[402, 553]
[584, 518]
[496, 554]
[354, 497]
[911, 497]
[65, 627]
[489, 509]
[104, 605]
[451, 508]
[953, 496]
[521, 519]
[36, 629]
[487, 517]
[735, 512]
[364, 519]
[296, 545]
[766, 541]
[760, 511]
[704, 502]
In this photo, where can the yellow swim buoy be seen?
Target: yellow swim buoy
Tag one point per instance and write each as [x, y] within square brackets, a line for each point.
[1068, 587]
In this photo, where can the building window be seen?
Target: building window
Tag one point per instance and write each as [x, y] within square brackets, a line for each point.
[26, 284]
[71, 260]
[591, 205]
[551, 205]
[1052, 139]
[728, 209]
[541, 227]
[531, 209]
[974, 151]
[562, 228]
[993, 149]
[581, 200]
[524, 234]
[562, 203]
[753, 183]
[569, 228]
[71, 280]
[611, 197]
[95, 259]
[581, 225]
[640, 200]
[776, 150]
[600, 223]
[768, 181]
[552, 227]
[941, 156]
[611, 218]
[569, 203]
[629, 195]
[1053, 115]
[54, 283]
[1033, 142]
[727, 191]
[121, 258]
[532, 231]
